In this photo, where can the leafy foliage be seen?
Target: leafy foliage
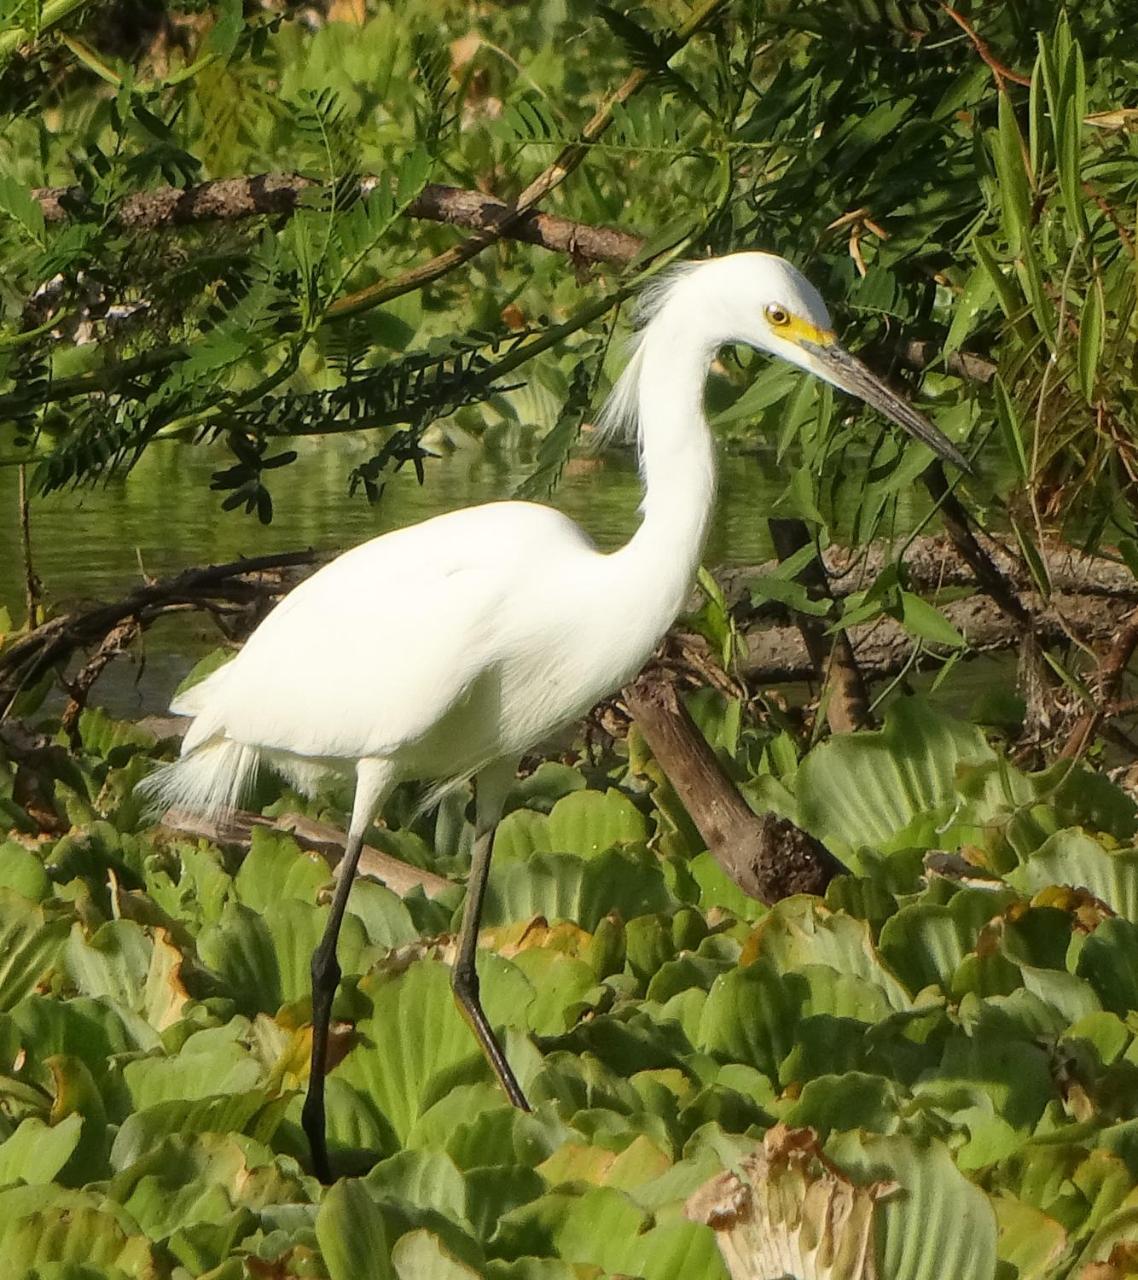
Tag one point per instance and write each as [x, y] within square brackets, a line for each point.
[955, 1018]
[897, 150]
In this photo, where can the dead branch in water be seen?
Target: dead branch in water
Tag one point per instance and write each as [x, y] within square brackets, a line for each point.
[235, 594]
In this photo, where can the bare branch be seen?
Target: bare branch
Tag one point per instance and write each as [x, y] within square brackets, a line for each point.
[317, 837]
[777, 655]
[240, 584]
[281, 194]
[933, 562]
[769, 858]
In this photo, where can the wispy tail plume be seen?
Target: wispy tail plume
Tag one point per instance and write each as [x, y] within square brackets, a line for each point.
[211, 781]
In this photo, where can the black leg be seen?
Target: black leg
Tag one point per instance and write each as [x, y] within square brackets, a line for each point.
[325, 980]
[464, 977]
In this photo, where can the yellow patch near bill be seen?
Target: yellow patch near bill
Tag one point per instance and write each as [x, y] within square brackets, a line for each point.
[799, 330]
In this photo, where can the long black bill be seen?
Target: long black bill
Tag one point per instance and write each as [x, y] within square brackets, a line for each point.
[848, 373]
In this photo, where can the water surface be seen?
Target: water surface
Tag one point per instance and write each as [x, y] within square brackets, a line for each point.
[94, 544]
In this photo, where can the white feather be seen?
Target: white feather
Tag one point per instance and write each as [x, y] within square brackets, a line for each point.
[619, 418]
[212, 781]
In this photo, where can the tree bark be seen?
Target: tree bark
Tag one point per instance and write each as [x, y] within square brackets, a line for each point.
[776, 654]
[281, 194]
[769, 858]
[934, 562]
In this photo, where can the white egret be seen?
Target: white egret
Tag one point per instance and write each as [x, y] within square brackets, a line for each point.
[447, 649]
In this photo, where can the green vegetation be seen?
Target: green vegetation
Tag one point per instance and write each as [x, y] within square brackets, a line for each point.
[959, 1014]
[967, 1032]
[929, 193]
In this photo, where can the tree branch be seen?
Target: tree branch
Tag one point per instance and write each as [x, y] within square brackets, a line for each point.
[1000, 71]
[776, 654]
[238, 584]
[568, 159]
[317, 837]
[933, 562]
[844, 695]
[768, 857]
[281, 194]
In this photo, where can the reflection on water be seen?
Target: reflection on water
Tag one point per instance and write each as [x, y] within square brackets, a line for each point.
[93, 544]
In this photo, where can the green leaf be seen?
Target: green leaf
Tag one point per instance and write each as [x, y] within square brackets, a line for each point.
[589, 822]
[749, 1017]
[584, 890]
[939, 1225]
[189, 1180]
[1015, 194]
[1128, 549]
[863, 789]
[1007, 416]
[788, 592]
[1067, 117]
[196, 1072]
[40, 1226]
[1035, 562]
[276, 868]
[1109, 962]
[352, 1236]
[226, 30]
[18, 203]
[599, 1227]
[31, 946]
[213, 661]
[403, 1072]
[421, 1255]
[1091, 339]
[852, 1100]
[925, 621]
[36, 1152]
[412, 175]
[974, 298]
[1011, 300]
[1073, 858]
[22, 872]
[265, 957]
[1029, 1240]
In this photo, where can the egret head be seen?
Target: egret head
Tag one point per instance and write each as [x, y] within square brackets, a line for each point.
[762, 301]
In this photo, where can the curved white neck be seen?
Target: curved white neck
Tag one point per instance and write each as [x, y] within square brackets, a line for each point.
[677, 462]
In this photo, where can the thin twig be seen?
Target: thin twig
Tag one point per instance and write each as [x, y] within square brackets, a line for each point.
[1000, 71]
[32, 584]
[1111, 670]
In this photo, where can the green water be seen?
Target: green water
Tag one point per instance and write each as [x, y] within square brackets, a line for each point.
[94, 544]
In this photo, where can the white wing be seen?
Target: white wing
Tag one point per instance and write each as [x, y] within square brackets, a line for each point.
[372, 651]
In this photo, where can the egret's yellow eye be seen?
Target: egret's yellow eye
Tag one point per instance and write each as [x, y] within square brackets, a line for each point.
[778, 315]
